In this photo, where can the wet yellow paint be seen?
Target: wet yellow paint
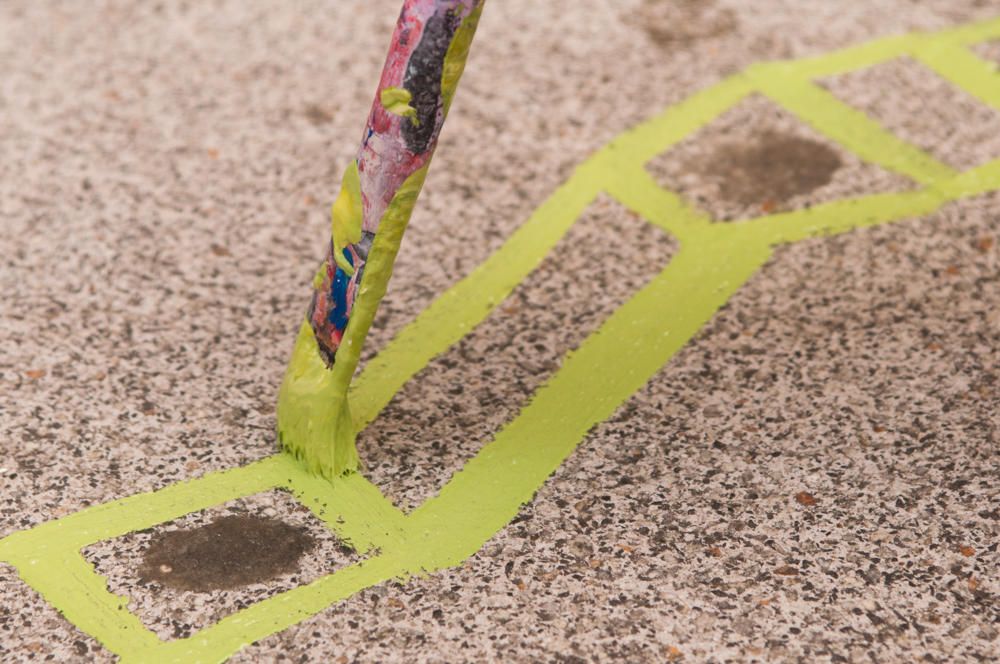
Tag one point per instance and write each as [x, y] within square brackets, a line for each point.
[397, 101]
[346, 216]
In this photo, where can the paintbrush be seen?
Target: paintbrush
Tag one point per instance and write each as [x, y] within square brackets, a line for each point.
[377, 194]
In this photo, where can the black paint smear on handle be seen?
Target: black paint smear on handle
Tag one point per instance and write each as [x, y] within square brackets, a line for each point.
[423, 79]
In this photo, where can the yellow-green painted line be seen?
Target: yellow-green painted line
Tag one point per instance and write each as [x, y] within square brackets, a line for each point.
[143, 510]
[611, 365]
[966, 70]
[967, 35]
[843, 61]
[466, 304]
[980, 180]
[841, 216]
[633, 186]
[851, 128]
[257, 621]
[643, 142]
[62, 577]
[353, 507]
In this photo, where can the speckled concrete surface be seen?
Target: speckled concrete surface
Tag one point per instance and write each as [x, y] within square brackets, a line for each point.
[814, 478]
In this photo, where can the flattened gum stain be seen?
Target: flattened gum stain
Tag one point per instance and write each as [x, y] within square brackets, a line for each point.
[229, 552]
[772, 169]
[317, 115]
[672, 22]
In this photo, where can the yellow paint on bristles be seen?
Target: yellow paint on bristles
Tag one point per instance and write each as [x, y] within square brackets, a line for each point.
[314, 418]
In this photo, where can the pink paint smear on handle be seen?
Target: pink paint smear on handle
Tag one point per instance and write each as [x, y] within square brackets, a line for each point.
[394, 147]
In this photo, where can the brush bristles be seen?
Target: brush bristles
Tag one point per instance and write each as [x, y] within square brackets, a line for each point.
[314, 420]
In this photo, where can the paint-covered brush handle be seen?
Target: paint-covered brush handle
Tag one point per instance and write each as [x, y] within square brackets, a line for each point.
[379, 190]
[426, 59]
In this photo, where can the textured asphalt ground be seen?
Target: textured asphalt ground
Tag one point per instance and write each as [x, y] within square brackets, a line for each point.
[815, 477]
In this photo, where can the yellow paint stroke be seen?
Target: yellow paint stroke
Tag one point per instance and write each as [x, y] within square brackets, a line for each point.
[346, 216]
[314, 414]
[457, 55]
[397, 101]
[714, 261]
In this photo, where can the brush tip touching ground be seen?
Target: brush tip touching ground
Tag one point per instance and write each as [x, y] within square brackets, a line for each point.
[314, 420]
